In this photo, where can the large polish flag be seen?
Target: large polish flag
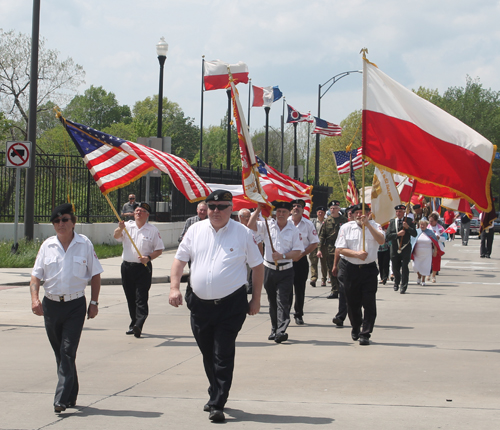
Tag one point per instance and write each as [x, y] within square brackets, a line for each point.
[216, 77]
[405, 133]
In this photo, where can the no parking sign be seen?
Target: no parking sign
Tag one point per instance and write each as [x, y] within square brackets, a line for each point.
[18, 154]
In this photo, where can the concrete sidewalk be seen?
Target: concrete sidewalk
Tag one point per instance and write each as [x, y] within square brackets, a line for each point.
[433, 362]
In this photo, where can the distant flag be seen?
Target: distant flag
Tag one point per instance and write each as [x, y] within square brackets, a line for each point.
[343, 158]
[295, 116]
[460, 205]
[114, 163]
[265, 96]
[452, 228]
[384, 196]
[406, 188]
[326, 128]
[396, 121]
[352, 194]
[216, 77]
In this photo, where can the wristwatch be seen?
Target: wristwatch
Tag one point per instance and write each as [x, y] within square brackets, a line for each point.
[284, 256]
[93, 302]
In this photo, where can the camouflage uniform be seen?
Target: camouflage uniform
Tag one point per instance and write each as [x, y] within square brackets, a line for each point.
[327, 238]
[313, 258]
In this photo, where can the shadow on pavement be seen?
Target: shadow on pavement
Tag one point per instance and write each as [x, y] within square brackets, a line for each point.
[239, 415]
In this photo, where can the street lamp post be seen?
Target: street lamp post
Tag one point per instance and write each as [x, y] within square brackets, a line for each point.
[330, 81]
[161, 50]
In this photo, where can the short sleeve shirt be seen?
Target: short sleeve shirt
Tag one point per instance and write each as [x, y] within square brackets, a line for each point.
[147, 239]
[285, 240]
[351, 237]
[307, 231]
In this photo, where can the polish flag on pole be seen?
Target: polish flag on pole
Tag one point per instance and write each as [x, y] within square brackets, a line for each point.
[216, 77]
[397, 122]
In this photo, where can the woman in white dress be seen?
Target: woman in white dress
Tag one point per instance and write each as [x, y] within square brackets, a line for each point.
[422, 253]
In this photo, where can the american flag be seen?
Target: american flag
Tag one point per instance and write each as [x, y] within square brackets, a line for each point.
[295, 116]
[288, 188]
[342, 159]
[352, 194]
[326, 128]
[114, 163]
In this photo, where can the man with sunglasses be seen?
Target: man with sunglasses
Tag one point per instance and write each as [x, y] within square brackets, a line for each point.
[65, 262]
[137, 271]
[310, 241]
[201, 214]
[219, 249]
[129, 208]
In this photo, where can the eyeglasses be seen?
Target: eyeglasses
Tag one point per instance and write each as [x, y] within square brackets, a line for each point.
[58, 220]
[220, 207]
[138, 211]
[131, 198]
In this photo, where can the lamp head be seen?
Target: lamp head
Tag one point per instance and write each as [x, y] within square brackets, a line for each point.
[162, 48]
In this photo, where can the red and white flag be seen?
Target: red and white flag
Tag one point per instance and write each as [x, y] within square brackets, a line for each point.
[216, 77]
[114, 163]
[452, 229]
[460, 205]
[397, 122]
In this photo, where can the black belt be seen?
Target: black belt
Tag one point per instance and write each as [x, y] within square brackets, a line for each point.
[360, 266]
[217, 301]
[279, 264]
[129, 263]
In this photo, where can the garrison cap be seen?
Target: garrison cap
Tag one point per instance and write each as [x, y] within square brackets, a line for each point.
[298, 202]
[220, 196]
[145, 206]
[333, 203]
[400, 207]
[64, 209]
[282, 205]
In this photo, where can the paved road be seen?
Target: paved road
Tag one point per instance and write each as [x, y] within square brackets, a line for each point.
[433, 363]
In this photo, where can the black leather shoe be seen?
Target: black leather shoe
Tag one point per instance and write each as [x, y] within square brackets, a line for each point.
[482, 256]
[282, 337]
[206, 408]
[272, 336]
[59, 407]
[403, 290]
[137, 331]
[396, 287]
[71, 404]
[216, 415]
[130, 331]
[338, 322]
[333, 296]
[312, 283]
[364, 341]
[354, 335]
[299, 321]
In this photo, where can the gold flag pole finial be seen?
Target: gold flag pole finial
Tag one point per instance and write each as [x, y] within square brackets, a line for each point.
[364, 51]
[57, 111]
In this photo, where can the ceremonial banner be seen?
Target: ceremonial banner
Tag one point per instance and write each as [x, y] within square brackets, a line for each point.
[216, 77]
[460, 205]
[384, 196]
[397, 122]
[114, 163]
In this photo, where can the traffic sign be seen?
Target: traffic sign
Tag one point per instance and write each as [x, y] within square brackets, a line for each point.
[18, 154]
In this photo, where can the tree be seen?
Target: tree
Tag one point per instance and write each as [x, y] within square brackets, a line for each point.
[97, 109]
[56, 79]
[185, 135]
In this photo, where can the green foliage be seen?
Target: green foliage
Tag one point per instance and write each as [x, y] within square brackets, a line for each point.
[98, 109]
[5, 125]
[27, 251]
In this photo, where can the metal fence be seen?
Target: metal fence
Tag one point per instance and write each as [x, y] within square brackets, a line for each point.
[59, 176]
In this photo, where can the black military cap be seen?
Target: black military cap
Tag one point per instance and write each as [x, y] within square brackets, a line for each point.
[333, 203]
[400, 207]
[358, 207]
[298, 202]
[145, 206]
[416, 206]
[220, 196]
[282, 205]
[321, 208]
[65, 208]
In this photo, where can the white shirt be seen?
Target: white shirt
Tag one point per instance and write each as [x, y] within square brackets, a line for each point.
[351, 237]
[66, 272]
[147, 239]
[284, 241]
[307, 231]
[218, 258]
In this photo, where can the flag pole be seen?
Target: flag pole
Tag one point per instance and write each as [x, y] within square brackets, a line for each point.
[201, 116]
[126, 231]
[340, 179]
[249, 97]
[363, 51]
[363, 197]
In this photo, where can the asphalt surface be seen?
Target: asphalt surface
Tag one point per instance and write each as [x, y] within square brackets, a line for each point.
[433, 362]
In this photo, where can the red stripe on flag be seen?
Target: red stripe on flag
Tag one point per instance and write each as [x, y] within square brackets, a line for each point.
[219, 82]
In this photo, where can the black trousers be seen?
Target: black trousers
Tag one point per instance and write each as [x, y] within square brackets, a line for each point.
[342, 312]
[360, 284]
[215, 328]
[487, 241]
[384, 259]
[279, 289]
[64, 324]
[300, 274]
[136, 281]
[400, 267]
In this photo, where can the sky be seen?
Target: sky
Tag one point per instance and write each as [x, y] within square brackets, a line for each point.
[296, 45]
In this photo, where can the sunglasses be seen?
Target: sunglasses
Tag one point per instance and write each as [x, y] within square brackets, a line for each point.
[57, 221]
[131, 198]
[220, 207]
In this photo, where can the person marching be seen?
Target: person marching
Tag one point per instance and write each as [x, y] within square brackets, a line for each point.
[313, 257]
[137, 271]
